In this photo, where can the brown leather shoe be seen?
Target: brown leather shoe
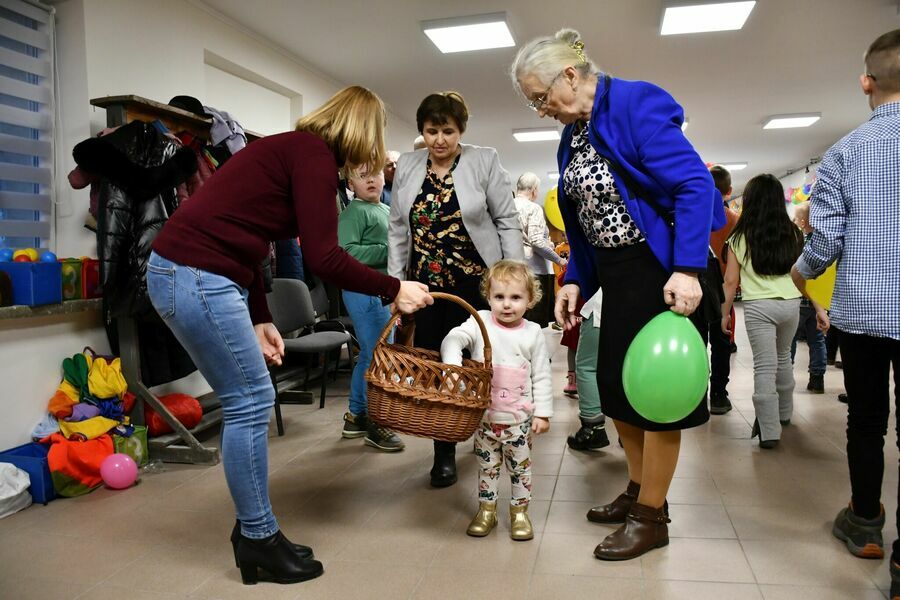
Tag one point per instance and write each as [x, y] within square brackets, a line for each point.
[644, 529]
[617, 510]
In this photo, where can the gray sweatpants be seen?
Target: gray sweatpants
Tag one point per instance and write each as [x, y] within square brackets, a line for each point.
[771, 325]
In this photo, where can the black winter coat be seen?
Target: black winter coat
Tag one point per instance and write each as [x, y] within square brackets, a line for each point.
[140, 168]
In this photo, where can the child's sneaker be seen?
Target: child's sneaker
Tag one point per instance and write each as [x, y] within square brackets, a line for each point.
[591, 436]
[354, 426]
[382, 438]
[862, 536]
[571, 389]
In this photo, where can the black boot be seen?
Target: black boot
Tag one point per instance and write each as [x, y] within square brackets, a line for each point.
[816, 384]
[276, 557]
[591, 436]
[719, 404]
[301, 550]
[443, 473]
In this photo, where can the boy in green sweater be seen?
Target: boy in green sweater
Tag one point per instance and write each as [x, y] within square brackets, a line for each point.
[362, 232]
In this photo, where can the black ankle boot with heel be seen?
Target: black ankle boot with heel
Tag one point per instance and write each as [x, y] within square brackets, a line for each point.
[301, 550]
[276, 558]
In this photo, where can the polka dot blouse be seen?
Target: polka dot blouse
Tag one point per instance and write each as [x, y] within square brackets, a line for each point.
[601, 211]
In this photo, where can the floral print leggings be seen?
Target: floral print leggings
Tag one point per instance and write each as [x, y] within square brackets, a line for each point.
[494, 444]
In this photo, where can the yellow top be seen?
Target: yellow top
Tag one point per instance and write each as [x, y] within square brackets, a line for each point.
[760, 287]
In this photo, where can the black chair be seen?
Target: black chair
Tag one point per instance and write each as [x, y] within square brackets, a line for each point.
[292, 310]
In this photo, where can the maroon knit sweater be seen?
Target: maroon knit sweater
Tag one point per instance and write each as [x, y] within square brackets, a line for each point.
[276, 188]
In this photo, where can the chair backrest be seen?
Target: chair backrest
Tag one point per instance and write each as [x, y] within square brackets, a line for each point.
[290, 304]
[319, 294]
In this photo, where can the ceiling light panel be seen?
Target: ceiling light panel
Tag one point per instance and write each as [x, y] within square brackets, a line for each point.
[464, 34]
[791, 121]
[734, 166]
[536, 135]
[701, 18]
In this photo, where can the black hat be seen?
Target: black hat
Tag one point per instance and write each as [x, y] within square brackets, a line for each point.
[188, 103]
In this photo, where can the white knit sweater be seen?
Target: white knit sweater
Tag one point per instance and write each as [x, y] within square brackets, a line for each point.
[521, 386]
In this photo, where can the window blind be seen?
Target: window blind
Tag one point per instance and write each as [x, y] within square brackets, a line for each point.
[26, 124]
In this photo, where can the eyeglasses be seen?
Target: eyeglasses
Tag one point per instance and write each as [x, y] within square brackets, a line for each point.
[539, 102]
[390, 164]
[872, 77]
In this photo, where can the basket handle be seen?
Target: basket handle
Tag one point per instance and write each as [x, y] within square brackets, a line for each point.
[459, 301]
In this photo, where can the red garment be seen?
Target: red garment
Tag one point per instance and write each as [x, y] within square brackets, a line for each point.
[718, 238]
[276, 188]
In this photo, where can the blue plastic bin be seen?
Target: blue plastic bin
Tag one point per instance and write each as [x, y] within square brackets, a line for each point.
[32, 458]
[35, 283]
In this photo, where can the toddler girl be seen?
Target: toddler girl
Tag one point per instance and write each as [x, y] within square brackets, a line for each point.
[521, 391]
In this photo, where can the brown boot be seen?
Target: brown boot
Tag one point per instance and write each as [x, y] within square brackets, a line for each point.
[644, 529]
[617, 510]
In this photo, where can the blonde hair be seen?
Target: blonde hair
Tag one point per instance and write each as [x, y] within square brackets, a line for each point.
[352, 124]
[546, 56]
[506, 270]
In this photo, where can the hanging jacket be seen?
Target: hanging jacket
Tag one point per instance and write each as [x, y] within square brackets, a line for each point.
[141, 168]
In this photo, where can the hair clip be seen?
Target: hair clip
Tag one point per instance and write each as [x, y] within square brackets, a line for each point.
[578, 47]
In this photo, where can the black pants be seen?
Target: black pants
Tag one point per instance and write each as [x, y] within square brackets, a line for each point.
[720, 358]
[832, 340]
[867, 364]
[542, 312]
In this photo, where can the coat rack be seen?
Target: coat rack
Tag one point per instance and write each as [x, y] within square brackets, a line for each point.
[182, 445]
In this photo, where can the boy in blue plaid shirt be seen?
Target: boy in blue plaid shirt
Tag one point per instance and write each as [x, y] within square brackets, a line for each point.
[855, 212]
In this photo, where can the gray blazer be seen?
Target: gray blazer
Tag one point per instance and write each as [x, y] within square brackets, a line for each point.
[485, 200]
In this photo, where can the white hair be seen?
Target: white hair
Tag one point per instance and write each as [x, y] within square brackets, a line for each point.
[419, 142]
[545, 57]
[528, 181]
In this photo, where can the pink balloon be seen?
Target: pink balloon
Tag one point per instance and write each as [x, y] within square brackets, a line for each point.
[118, 471]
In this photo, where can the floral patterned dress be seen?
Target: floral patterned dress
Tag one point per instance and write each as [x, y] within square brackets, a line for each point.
[443, 253]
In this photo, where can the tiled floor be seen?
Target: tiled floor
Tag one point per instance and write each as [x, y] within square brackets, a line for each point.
[746, 523]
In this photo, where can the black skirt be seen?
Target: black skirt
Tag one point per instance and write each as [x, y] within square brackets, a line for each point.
[632, 281]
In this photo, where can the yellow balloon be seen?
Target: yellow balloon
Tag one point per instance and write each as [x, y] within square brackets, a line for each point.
[551, 209]
[821, 288]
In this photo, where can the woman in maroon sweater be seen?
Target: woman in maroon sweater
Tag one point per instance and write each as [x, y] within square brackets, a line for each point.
[205, 281]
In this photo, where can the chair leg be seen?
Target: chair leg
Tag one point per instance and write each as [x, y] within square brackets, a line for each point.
[279, 422]
[350, 356]
[324, 375]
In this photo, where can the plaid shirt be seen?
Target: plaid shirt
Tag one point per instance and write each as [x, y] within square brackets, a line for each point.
[855, 211]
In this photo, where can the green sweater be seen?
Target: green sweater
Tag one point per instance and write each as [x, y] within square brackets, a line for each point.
[362, 232]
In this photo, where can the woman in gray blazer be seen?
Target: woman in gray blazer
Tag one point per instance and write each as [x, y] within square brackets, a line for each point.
[452, 217]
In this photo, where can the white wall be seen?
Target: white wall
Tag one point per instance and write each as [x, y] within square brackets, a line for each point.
[157, 50]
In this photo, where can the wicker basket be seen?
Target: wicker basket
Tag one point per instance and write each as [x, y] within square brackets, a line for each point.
[411, 391]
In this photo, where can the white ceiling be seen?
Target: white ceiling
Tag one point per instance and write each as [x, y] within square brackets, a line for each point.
[791, 56]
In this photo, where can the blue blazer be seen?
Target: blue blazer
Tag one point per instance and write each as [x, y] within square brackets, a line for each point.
[637, 125]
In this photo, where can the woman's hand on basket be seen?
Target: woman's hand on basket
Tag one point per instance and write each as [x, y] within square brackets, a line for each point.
[412, 296]
[682, 293]
[540, 424]
[566, 301]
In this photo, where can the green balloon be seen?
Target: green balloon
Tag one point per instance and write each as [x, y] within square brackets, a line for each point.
[666, 369]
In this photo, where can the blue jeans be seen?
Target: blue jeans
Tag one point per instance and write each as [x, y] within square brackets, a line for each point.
[814, 338]
[369, 318]
[209, 316]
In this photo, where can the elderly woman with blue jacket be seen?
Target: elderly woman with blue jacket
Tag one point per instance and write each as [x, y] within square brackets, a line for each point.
[452, 217]
[626, 173]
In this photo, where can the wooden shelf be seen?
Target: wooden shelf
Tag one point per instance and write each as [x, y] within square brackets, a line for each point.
[125, 109]
[65, 308]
